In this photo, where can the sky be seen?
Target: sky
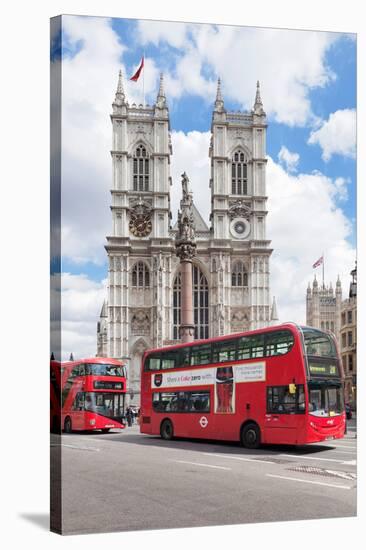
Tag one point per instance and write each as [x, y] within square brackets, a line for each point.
[308, 88]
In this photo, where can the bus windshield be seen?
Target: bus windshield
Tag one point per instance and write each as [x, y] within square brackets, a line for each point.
[97, 369]
[325, 399]
[318, 343]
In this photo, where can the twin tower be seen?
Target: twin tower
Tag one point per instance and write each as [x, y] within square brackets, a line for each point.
[231, 291]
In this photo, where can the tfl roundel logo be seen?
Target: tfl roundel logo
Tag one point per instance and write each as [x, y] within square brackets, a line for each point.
[203, 422]
[158, 378]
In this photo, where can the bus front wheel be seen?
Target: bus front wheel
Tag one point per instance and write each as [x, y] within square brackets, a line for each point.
[166, 430]
[250, 436]
[68, 426]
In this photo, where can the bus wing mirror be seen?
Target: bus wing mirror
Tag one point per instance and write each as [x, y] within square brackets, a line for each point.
[292, 388]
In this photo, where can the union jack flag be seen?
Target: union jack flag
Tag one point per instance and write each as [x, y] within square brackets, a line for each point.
[318, 262]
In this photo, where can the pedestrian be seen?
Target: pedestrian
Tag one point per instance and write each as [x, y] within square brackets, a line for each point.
[129, 416]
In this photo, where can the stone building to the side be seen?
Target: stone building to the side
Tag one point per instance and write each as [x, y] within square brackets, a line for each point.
[348, 341]
[231, 276]
[323, 306]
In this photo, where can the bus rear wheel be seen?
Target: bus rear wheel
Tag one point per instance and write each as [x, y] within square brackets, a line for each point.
[250, 436]
[166, 430]
[68, 425]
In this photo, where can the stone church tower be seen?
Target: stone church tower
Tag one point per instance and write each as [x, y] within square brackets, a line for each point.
[231, 290]
[323, 307]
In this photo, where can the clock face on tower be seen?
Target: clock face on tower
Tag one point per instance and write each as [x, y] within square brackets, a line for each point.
[140, 224]
[240, 228]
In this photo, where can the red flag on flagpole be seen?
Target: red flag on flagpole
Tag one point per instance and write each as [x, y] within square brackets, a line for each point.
[135, 77]
[318, 262]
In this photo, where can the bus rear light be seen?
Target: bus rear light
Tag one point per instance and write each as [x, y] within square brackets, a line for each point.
[146, 420]
[92, 422]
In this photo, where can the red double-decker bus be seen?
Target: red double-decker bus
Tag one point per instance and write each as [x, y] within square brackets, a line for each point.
[88, 394]
[55, 396]
[278, 385]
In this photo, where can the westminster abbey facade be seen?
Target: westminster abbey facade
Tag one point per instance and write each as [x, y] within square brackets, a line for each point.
[231, 274]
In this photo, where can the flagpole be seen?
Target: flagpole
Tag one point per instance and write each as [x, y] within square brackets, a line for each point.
[323, 269]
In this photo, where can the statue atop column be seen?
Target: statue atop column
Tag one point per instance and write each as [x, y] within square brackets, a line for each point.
[186, 236]
[185, 246]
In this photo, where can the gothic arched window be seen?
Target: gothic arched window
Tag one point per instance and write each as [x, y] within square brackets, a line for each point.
[239, 275]
[200, 304]
[176, 306]
[239, 179]
[140, 275]
[141, 169]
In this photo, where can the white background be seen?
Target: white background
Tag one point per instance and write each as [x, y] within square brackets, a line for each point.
[24, 269]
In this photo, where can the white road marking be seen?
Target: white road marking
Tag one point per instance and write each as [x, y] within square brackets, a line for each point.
[308, 481]
[301, 457]
[345, 446]
[239, 458]
[95, 440]
[80, 448]
[200, 464]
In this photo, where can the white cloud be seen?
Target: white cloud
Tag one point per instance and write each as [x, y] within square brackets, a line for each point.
[190, 155]
[337, 135]
[288, 159]
[158, 31]
[81, 303]
[288, 63]
[89, 81]
[303, 222]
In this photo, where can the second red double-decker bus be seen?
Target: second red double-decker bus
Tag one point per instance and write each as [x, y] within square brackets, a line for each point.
[88, 394]
[279, 385]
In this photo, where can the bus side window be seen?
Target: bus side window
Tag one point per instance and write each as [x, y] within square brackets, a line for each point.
[78, 404]
[201, 355]
[279, 343]
[169, 360]
[279, 400]
[184, 360]
[153, 363]
[244, 348]
[167, 364]
[200, 401]
[257, 345]
[224, 351]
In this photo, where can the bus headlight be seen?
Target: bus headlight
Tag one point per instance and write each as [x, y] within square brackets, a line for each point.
[92, 422]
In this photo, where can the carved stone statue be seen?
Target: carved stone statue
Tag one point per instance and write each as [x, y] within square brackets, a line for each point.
[185, 187]
[186, 228]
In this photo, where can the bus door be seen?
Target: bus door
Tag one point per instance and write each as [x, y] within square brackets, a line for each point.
[78, 414]
[198, 405]
[285, 413]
